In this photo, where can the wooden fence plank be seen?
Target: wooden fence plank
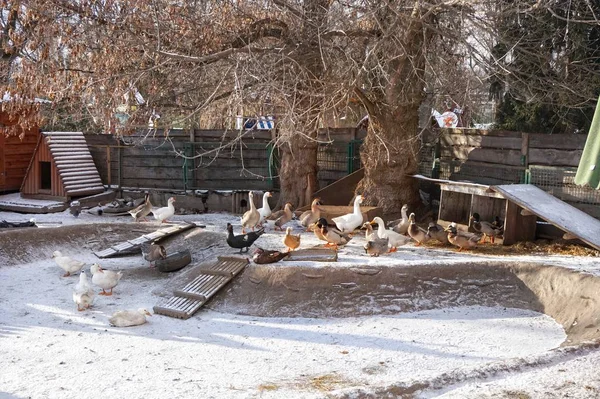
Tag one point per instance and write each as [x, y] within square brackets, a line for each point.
[554, 157]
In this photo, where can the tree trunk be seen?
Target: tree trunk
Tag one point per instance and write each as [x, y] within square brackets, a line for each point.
[298, 171]
[389, 155]
[390, 151]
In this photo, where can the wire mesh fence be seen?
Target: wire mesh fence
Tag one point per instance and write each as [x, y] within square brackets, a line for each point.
[560, 182]
[336, 160]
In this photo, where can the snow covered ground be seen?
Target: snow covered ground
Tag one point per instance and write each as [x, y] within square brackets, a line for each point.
[50, 350]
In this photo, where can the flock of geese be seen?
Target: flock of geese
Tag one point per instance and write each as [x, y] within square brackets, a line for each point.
[387, 238]
[84, 293]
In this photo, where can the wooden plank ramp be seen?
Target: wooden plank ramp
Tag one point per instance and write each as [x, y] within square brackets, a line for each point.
[554, 211]
[187, 300]
[132, 244]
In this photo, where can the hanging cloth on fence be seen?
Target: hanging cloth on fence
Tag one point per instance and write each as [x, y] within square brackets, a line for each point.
[588, 171]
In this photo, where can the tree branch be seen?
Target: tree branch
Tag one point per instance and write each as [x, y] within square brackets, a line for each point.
[293, 10]
[369, 105]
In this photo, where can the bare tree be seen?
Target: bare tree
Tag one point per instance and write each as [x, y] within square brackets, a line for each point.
[298, 60]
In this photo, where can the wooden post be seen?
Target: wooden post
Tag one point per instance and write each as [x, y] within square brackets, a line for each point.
[517, 227]
[525, 150]
[108, 166]
[120, 159]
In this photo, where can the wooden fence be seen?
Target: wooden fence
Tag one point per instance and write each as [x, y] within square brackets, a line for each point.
[502, 157]
[183, 160]
[486, 157]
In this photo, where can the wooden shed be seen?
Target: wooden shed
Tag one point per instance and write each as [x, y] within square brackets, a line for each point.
[15, 154]
[61, 168]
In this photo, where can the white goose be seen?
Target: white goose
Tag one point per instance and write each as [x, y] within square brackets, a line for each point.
[347, 223]
[83, 294]
[69, 265]
[129, 318]
[395, 239]
[162, 214]
[265, 211]
[105, 279]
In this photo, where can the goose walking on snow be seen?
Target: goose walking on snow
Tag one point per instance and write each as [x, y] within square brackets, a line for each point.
[69, 265]
[265, 211]
[83, 294]
[164, 213]
[105, 279]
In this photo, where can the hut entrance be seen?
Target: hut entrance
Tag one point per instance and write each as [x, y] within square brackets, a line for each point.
[45, 175]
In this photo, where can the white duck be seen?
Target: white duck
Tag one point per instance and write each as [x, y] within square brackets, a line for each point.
[105, 279]
[347, 223]
[69, 265]
[83, 294]
[162, 214]
[395, 239]
[251, 218]
[128, 318]
[265, 211]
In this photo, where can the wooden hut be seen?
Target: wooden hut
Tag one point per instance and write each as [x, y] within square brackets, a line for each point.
[15, 154]
[61, 168]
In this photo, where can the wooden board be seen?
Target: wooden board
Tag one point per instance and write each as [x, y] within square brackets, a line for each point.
[187, 300]
[551, 209]
[130, 245]
[316, 254]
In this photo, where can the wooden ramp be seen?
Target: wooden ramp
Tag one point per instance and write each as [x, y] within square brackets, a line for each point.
[554, 211]
[129, 245]
[187, 300]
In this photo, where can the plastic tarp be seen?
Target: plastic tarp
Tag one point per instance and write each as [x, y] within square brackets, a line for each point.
[588, 171]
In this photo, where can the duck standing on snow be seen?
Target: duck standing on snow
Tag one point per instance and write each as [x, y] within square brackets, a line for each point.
[142, 210]
[333, 236]
[285, 217]
[370, 234]
[437, 232]
[266, 256]
[129, 318]
[83, 294]
[311, 216]
[250, 218]
[162, 214]
[395, 240]
[244, 240]
[415, 232]
[291, 241]
[153, 252]
[462, 239]
[400, 226]
[105, 279]
[66, 263]
[75, 208]
[347, 223]
[377, 246]
[265, 211]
